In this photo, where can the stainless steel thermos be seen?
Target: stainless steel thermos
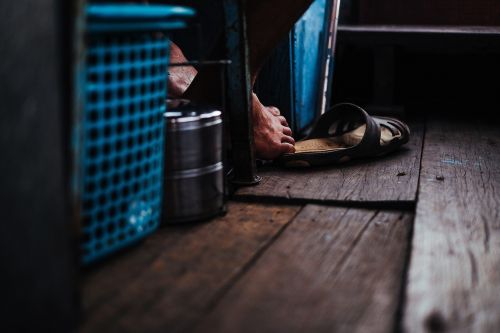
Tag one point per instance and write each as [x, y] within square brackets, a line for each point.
[194, 173]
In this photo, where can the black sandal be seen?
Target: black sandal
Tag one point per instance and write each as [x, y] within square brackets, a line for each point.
[344, 133]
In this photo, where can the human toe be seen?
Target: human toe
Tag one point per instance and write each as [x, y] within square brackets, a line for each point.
[274, 110]
[287, 130]
[287, 139]
[283, 121]
[287, 148]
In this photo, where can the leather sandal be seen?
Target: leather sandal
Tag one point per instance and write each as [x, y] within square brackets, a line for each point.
[344, 133]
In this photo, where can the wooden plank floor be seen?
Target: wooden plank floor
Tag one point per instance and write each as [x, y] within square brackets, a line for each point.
[390, 179]
[333, 269]
[304, 263]
[454, 279]
[172, 279]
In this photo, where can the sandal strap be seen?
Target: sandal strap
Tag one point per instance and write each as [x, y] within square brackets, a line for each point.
[343, 118]
[395, 126]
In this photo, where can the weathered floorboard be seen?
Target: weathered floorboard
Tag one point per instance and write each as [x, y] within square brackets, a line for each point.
[454, 276]
[170, 281]
[393, 178]
[331, 270]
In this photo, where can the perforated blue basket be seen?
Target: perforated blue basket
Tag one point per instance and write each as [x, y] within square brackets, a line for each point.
[120, 127]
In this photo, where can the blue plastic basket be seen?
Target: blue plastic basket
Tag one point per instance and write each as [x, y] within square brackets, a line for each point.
[120, 153]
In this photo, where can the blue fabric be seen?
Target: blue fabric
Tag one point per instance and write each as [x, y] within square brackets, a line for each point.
[306, 55]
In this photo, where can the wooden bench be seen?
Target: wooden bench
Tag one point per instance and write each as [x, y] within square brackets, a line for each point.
[385, 39]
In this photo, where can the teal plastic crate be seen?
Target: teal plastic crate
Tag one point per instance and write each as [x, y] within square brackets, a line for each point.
[119, 127]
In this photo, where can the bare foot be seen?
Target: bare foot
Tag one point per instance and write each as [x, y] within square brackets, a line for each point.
[271, 133]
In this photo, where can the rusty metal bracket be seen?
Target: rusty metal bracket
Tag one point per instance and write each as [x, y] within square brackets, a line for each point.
[239, 94]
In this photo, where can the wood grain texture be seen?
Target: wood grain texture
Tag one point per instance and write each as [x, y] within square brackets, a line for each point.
[331, 270]
[422, 37]
[454, 277]
[422, 29]
[429, 12]
[392, 178]
[172, 279]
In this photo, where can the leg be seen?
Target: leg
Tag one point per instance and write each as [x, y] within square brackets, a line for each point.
[272, 134]
[268, 22]
[179, 78]
[265, 29]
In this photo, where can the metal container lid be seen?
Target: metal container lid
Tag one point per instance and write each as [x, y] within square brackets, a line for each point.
[189, 119]
[192, 173]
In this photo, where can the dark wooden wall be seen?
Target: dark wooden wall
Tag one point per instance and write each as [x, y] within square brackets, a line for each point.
[36, 253]
[423, 12]
[421, 78]
[456, 64]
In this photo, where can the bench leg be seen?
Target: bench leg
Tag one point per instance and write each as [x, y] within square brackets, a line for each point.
[384, 84]
[239, 94]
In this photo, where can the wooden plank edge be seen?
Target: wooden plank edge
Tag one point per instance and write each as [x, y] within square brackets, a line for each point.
[400, 205]
[399, 319]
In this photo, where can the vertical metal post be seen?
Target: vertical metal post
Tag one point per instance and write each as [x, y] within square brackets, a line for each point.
[239, 94]
[327, 60]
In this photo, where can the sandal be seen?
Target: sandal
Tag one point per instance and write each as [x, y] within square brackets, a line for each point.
[344, 133]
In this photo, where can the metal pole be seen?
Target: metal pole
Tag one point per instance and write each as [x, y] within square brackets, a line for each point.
[239, 94]
[329, 42]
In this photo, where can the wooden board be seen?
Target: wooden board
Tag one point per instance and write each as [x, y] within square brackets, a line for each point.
[493, 31]
[439, 12]
[423, 37]
[332, 270]
[454, 277]
[392, 178]
[174, 277]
